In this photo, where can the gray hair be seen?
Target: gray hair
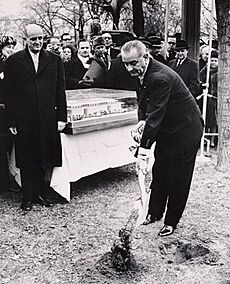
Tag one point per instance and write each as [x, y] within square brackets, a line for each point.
[134, 44]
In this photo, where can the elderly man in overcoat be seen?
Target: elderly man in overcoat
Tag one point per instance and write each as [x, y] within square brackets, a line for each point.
[37, 108]
[171, 118]
[187, 68]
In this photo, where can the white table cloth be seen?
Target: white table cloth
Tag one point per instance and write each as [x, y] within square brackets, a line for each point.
[88, 153]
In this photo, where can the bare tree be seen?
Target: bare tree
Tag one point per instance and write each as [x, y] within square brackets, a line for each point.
[138, 18]
[45, 13]
[114, 7]
[223, 30]
[205, 20]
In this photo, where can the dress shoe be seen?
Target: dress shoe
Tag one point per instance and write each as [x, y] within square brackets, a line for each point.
[26, 205]
[43, 201]
[166, 231]
[151, 219]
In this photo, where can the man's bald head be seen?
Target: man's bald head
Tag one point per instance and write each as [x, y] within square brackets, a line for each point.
[34, 37]
[32, 29]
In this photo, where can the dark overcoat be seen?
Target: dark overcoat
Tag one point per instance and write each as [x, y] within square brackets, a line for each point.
[189, 72]
[172, 116]
[5, 139]
[118, 77]
[36, 102]
[74, 72]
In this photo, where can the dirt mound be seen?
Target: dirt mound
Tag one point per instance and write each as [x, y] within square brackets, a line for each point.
[179, 252]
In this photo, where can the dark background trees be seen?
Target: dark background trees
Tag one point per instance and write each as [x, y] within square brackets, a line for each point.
[223, 30]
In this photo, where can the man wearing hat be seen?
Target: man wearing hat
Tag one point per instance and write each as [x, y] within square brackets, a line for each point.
[156, 46]
[211, 109]
[99, 66]
[187, 68]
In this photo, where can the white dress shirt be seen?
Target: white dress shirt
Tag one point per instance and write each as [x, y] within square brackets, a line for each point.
[84, 61]
[35, 58]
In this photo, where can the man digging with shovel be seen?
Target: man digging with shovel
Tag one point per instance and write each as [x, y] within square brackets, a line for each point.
[169, 116]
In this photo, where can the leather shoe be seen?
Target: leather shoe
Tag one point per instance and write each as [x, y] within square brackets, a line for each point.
[151, 219]
[26, 205]
[166, 231]
[43, 201]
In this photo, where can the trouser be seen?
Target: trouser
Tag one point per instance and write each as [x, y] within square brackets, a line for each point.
[4, 173]
[33, 183]
[172, 176]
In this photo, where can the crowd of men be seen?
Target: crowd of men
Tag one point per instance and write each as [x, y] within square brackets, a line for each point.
[169, 89]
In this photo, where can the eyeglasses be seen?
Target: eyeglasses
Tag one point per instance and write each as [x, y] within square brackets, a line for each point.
[107, 37]
[36, 37]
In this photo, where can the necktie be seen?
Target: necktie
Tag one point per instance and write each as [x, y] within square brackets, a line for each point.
[35, 60]
[178, 63]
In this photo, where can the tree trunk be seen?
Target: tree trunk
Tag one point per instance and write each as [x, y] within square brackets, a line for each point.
[116, 18]
[138, 18]
[223, 30]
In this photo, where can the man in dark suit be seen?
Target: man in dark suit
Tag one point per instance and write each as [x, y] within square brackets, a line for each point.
[99, 65]
[118, 77]
[37, 107]
[111, 51]
[187, 68]
[76, 68]
[171, 118]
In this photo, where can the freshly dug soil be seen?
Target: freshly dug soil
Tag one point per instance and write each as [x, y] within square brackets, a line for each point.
[75, 242]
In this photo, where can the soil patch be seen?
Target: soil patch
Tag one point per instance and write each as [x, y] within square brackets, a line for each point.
[72, 243]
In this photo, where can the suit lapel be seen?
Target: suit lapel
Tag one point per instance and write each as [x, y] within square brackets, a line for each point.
[43, 60]
[27, 62]
[182, 65]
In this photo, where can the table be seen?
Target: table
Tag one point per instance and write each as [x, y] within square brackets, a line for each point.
[89, 153]
[92, 145]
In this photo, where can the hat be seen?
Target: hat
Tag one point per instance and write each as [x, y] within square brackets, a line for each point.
[66, 36]
[214, 54]
[106, 35]
[98, 41]
[96, 17]
[145, 40]
[181, 44]
[7, 40]
[155, 41]
[171, 39]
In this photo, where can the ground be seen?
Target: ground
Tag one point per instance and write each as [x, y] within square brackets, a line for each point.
[69, 243]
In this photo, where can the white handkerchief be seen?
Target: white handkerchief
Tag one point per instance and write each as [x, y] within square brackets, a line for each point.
[1, 75]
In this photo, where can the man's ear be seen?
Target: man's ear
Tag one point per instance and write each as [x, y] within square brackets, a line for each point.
[146, 56]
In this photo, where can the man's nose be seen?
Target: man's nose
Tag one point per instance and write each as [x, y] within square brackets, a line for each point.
[129, 67]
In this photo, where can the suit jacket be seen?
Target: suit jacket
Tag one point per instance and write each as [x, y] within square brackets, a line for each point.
[3, 121]
[74, 72]
[36, 102]
[5, 137]
[118, 77]
[189, 72]
[172, 116]
[97, 71]
[113, 52]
